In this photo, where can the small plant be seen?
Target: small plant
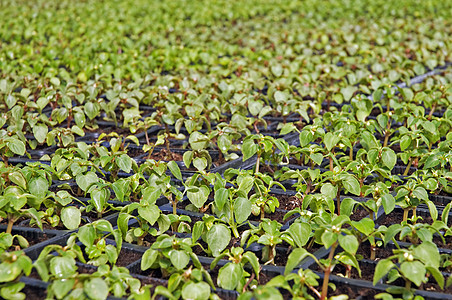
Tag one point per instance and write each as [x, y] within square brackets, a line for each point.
[414, 265]
[233, 276]
[299, 285]
[268, 234]
[12, 266]
[264, 147]
[169, 254]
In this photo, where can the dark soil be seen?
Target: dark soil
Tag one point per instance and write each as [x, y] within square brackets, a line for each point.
[359, 214]
[353, 292]
[439, 242]
[34, 293]
[127, 256]
[367, 271]
[380, 253]
[287, 202]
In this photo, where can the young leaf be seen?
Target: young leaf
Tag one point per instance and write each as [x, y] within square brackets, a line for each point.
[174, 168]
[71, 217]
[218, 238]
[229, 276]
[382, 269]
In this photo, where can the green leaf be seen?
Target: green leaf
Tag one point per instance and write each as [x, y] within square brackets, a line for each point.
[300, 232]
[389, 158]
[179, 258]
[96, 289]
[16, 146]
[329, 238]
[295, 258]
[249, 149]
[62, 287]
[405, 142]
[150, 213]
[413, 271]
[124, 163]
[432, 161]
[9, 272]
[351, 185]
[200, 197]
[242, 209]
[329, 190]
[349, 243]
[306, 137]
[148, 258]
[197, 140]
[253, 261]
[11, 291]
[428, 253]
[40, 132]
[62, 267]
[86, 234]
[218, 238]
[437, 275]
[420, 193]
[382, 268]
[388, 202]
[365, 226]
[287, 128]
[433, 210]
[200, 163]
[347, 92]
[38, 186]
[99, 198]
[331, 140]
[175, 170]
[347, 205]
[391, 232]
[71, 217]
[245, 184]
[18, 178]
[317, 158]
[196, 291]
[229, 276]
[85, 181]
[221, 197]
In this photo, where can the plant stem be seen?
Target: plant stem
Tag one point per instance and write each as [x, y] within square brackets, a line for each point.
[248, 282]
[407, 167]
[338, 199]
[331, 164]
[9, 228]
[407, 284]
[174, 207]
[235, 231]
[351, 153]
[348, 272]
[429, 117]
[405, 214]
[146, 135]
[387, 133]
[258, 161]
[316, 292]
[140, 240]
[326, 277]
[5, 160]
[373, 251]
